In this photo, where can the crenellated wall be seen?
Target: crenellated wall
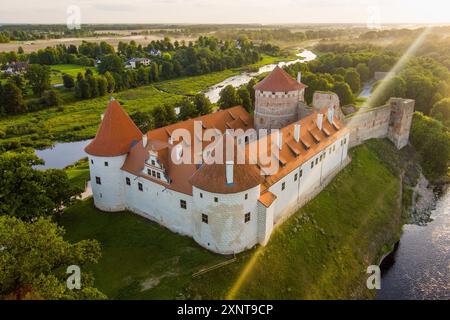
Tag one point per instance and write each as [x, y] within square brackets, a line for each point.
[392, 120]
[275, 110]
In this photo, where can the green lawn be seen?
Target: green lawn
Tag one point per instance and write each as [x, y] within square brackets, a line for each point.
[140, 259]
[320, 252]
[78, 173]
[70, 69]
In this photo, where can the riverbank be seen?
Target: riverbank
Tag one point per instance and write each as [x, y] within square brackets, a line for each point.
[321, 252]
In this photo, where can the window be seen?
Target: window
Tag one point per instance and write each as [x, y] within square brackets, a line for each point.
[296, 177]
[153, 162]
[312, 164]
[216, 199]
[321, 157]
[317, 161]
[140, 187]
[246, 139]
[153, 173]
[246, 196]
[204, 218]
[247, 217]
[201, 195]
[158, 175]
[98, 180]
[149, 172]
[283, 186]
[301, 173]
[128, 181]
[334, 147]
[92, 161]
[106, 163]
[183, 204]
[325, 154]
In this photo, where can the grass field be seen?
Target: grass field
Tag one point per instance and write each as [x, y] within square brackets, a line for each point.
[320, 252]
[78, 173]
[70, 69]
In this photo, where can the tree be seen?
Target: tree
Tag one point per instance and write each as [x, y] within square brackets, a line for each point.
[154, 72]
[386, 89]
[432, 141]
[68, 81]
[441, 111]
[111, 63]
[51, 99]
[244, 97]
[228, 97]
[38, 77]
[353, 79]
[187, 109]
[27, 193]
[344, 92]
[111, 83]
[163, 115]
[364, 72]
[420, 88]
[143, 120]
[82, 88]
[202, 104]
[11, 99]
[35, 257]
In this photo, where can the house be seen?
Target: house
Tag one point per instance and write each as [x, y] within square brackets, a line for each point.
[136, 62]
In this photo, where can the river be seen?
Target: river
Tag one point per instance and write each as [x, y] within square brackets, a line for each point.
[420, 266]
[236, 81]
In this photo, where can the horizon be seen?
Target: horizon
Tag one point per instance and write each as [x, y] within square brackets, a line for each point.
[261, 12]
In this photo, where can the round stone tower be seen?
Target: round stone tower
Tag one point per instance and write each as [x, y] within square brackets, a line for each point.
[277, 100]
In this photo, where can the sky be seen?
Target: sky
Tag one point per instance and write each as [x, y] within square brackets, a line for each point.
[227, 11]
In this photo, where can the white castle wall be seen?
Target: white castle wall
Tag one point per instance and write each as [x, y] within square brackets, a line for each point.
[159, 204]
[226, 231]
[109, 195]
[297, 193]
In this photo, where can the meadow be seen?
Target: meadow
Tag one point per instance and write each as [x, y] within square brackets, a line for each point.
[58, 70]
[321, 252]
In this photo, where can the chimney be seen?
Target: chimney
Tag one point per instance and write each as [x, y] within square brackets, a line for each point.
[170, 140]
[230, 172]
[330, 114]
[144, 140]
[102, 116]
[297, 132]
[319, 121]
[279, 139]
[299, 77]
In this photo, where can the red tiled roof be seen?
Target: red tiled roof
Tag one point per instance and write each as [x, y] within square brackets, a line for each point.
[116, 133]
[180, 174]
[279, 81]
[267, 198]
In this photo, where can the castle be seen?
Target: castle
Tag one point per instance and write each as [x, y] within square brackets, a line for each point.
[231, 206]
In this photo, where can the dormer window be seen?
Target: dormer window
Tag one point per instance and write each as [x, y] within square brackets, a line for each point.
[153, 163]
